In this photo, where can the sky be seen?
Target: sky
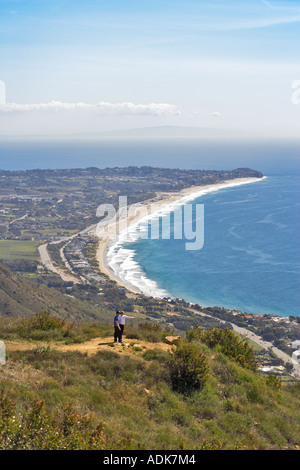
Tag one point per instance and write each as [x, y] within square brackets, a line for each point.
[94, 66]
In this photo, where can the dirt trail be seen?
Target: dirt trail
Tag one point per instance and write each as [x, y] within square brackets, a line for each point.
[130, 346]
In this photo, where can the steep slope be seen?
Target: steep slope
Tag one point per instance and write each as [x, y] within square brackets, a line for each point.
[20, 297]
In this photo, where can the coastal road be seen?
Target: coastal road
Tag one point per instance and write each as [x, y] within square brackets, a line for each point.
[256, 339]
[266, 345]
[47, 262]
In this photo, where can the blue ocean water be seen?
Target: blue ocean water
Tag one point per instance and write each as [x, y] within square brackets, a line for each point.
[269, 157]
[250, 260]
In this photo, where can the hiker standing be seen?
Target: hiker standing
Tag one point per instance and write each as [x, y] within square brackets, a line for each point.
[122, 318]
[117, 327]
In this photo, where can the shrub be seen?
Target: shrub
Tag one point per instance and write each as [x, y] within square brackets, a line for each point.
[40, 326]
[152, 332]
[44, 321]
[156, 354]
[229, 343]
[188, 369]
[274, 381]
[43, 349]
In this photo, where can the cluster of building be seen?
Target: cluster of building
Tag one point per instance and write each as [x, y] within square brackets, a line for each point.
[254, 316]
[77, 260]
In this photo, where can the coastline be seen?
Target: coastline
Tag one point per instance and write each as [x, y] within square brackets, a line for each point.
[163, 201]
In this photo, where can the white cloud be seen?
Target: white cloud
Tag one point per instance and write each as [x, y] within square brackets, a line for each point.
[216, 114]
[102, 108]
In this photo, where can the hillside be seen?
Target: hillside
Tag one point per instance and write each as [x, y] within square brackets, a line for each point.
[71, 387]
[20, 297]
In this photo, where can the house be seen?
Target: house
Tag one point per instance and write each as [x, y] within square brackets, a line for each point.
[266, 368]
[295, 344]
[296, 357]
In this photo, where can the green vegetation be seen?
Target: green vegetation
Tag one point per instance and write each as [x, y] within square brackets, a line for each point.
[152, 332]
[228, 343]
[38, 429]
[191, 396]
[188, 369]
[19, 249]
[45, 327]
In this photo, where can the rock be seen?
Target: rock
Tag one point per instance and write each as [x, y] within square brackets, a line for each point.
[2, 353]
[172, 339]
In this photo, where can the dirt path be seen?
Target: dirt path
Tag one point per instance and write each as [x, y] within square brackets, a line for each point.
[130, 346]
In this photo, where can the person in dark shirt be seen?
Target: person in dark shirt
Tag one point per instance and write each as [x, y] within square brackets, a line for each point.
[117, 327]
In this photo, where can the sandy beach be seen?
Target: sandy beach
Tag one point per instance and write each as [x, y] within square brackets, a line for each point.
[161, 201]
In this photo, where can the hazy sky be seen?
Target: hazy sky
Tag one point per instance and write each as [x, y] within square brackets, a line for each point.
[96, 65]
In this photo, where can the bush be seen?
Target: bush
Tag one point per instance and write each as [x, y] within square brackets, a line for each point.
[188, 369]
[152, 332]
[156, 354]
[228, 342]
[42, 350]
[148, 331]
[44, 321]
[40, 322]
[274, 381]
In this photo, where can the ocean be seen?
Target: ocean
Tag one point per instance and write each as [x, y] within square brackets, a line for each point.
[269, 157]
[250, 259]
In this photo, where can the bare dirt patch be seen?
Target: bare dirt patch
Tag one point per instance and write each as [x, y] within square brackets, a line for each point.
[130, 346]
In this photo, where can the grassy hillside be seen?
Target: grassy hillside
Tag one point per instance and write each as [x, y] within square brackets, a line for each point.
[20, 297]
[203, 393]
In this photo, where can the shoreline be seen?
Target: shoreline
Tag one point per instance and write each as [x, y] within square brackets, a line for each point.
[160, 202]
